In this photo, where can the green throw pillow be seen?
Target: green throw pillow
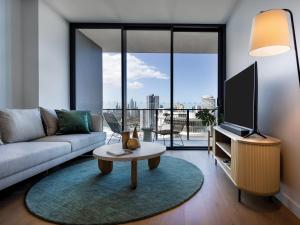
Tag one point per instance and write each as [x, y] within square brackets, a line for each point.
[89, 117]
[72, 122]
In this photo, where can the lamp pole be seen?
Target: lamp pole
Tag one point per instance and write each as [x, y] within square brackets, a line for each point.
[295, 41]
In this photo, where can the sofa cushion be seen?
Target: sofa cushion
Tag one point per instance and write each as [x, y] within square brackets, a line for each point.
[72, 122]
[50, 121]
[97, 123]
[89, 118]
[17, 125]
[77, 141]
[20, 156]
[82, 112]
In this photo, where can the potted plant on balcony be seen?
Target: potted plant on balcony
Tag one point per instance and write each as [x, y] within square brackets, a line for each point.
[209, 120]
[207, 117]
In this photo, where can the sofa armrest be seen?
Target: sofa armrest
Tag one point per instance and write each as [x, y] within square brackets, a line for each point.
[97, 122]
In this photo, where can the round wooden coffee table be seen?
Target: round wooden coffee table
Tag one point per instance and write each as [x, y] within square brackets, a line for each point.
[148, 150]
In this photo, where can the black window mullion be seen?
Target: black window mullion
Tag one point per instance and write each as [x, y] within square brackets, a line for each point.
[124, 76]
[172, 87]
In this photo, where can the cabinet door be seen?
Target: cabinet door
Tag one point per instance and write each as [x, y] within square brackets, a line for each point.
[257, 168]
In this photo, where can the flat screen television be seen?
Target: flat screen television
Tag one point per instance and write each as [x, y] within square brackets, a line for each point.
[241, 99]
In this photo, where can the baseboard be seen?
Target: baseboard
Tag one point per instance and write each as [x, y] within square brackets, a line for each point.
[289, 203]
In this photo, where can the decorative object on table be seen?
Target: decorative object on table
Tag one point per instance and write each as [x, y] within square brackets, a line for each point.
[102, 205]
[125, 138]
[270, 34]
[118, 152]
[135, 133]
[133, 143]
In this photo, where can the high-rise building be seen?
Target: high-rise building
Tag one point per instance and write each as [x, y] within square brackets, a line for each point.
[132, 105]
[208, 102]
[148, 118]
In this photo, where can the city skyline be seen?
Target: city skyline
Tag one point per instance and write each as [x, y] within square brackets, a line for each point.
[207, 102]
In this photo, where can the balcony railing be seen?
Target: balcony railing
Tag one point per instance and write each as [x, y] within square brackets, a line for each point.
[159, 119]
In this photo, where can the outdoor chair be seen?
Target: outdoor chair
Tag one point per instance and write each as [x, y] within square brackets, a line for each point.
[114, 125]
[178, 126]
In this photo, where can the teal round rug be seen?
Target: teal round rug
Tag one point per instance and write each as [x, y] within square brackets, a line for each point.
[79, 194]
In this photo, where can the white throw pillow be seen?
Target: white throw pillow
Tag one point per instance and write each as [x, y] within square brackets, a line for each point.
[50, 121]
[18, 125]
[97, 123]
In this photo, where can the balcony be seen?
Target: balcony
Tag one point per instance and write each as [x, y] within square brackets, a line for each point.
[191, 131]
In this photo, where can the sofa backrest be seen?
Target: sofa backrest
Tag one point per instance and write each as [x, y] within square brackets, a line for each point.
[18, 125]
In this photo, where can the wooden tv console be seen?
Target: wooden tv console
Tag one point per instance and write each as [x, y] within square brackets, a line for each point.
[252, 164]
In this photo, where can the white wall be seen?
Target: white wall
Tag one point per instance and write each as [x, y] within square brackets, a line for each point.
[53, 59]
[34, 55]
[279, 90]
[11, 87]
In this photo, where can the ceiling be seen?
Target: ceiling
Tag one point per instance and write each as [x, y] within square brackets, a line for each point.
[145, 11]
[142, 41]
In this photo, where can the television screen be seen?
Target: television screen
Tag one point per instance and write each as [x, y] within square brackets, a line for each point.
[240, 98]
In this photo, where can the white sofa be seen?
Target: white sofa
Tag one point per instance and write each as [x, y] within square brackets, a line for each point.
[23, 159]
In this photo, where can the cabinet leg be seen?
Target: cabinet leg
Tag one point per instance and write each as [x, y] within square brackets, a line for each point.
[215, 162]
[239, 195]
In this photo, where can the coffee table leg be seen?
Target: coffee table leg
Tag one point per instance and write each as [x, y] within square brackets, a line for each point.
[133, 174]
[153, 163]
[105, 166]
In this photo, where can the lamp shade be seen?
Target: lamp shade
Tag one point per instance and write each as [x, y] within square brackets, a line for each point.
[270, 33]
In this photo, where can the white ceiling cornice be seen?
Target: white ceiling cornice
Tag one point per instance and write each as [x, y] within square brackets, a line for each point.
[145, 11]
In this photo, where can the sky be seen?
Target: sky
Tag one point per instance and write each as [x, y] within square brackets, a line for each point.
[195, 75]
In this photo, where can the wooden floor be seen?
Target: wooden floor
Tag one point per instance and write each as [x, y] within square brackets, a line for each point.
[215, 204]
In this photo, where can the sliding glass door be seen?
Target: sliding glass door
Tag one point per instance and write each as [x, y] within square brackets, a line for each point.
[157, 78]
[195, 72]
[148, 83]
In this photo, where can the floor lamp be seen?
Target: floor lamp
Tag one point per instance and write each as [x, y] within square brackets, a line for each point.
[270, 34]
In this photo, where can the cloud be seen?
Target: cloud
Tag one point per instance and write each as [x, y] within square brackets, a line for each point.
[136, 69]
[112, 69]
[135, 85]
